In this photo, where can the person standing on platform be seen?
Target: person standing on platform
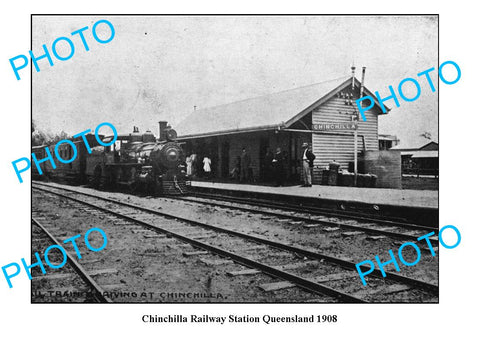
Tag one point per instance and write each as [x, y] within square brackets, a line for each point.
[194, 159]
[307, 160]
[235, 172]
[278, 167]
[244, 166]
[268, 165]
[206, 166]
[189, 161]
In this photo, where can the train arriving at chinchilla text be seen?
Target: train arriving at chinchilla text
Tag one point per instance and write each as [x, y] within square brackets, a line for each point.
[135, 161]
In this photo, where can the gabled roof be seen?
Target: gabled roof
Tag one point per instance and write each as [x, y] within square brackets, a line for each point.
[430, 146]
[264, 112]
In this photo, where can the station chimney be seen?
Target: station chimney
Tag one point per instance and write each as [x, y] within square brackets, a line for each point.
[353, 78]
[362, 85]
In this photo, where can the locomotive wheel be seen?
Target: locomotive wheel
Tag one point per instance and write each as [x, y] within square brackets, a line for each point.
[134, 185]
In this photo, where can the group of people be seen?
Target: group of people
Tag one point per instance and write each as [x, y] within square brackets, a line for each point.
[195, 167]
[242, 169]
[274, 168]
[275, 165]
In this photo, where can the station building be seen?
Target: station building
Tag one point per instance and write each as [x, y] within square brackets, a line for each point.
[419, 157]
[320, 114]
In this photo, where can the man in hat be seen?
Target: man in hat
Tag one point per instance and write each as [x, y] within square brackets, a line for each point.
[278, 167]
[307, 161]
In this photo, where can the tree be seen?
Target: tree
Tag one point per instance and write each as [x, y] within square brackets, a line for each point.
[427, 135]
[40, 137]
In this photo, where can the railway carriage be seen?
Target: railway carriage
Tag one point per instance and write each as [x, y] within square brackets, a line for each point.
[40, 153]
[73, 172]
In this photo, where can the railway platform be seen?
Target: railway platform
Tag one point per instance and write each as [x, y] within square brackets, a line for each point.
[420, 206]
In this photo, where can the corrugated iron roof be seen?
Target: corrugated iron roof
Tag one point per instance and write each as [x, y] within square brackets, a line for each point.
[403, 153]
[387, 137]
[264, 112]
[413, 144]
[425, 154]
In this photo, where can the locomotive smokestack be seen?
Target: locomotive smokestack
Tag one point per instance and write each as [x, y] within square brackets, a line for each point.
[162, 127]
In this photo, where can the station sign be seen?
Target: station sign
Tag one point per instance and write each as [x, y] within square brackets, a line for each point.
[334, 126]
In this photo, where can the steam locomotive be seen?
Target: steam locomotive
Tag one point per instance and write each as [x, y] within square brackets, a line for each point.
[136, 161]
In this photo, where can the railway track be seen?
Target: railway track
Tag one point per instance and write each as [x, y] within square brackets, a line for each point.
[82, 287]
[220, 200]
[312, 271]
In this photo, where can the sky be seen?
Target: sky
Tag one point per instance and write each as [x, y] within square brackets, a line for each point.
[160, 67]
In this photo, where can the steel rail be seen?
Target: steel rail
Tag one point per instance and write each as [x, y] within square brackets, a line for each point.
[311, 210]
[98, 291]
[272, 271]
[370, 230]
[292, 248]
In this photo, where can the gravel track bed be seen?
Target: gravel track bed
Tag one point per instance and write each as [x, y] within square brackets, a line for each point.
[322, 239]
[148, 267]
